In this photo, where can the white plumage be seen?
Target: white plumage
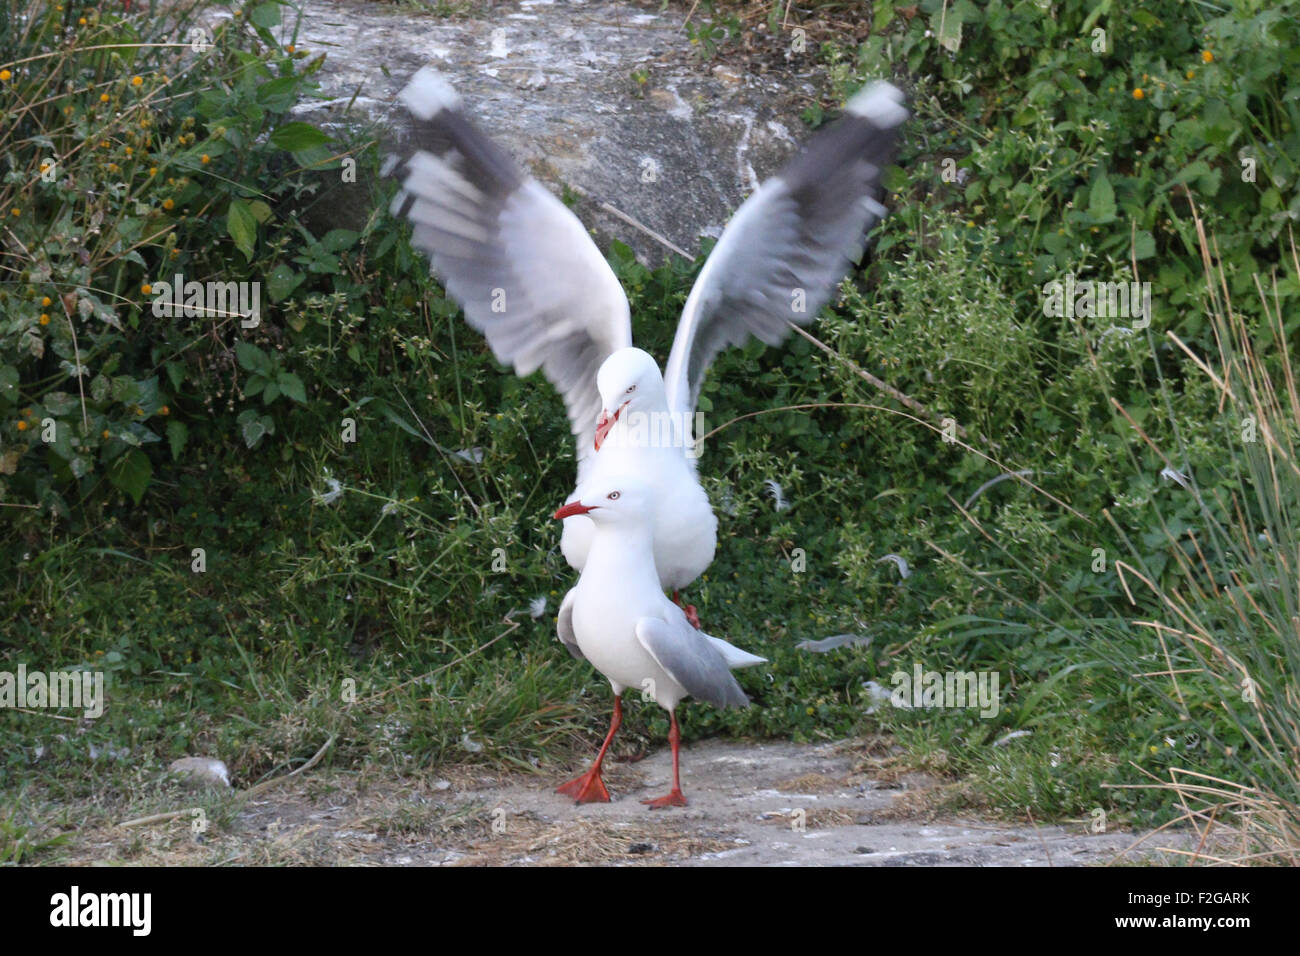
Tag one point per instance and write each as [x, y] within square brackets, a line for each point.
[618, 619]
[530, 279]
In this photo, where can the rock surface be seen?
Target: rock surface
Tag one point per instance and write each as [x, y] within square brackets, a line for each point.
[603, 97]
[769, 804]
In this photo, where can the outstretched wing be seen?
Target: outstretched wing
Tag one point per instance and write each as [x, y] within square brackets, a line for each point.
[785, 251]
[516, 260]
[690, 659]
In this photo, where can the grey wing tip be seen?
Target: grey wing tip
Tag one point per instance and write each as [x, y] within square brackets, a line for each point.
[731, 696]
[428, 93]
[880, 103]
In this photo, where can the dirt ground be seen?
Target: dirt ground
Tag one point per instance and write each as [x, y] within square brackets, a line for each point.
[751, 804]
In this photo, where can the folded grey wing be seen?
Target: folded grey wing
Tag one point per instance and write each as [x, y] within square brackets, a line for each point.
[688, 658]
[520, 264]
[564, 627]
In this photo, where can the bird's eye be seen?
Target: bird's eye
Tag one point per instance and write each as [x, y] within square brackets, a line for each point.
[613, 496]
[630, 389]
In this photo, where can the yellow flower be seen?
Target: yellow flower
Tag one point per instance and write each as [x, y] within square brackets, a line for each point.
[1191, 74]
[22, 426]
[103, 97]
[147, 289]
[1138, 93]
[15, 211]
[137, 80]
[104, 433]
[164, 410]
[44, 319]
[289, 48]
[169, 203]
[45, 300]
[1207, 56]
[4, 76]
[153, 170]
[81, 22]
[205, 159]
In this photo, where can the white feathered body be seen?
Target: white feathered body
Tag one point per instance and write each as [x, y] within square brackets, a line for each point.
[685, 527]
[617, 593]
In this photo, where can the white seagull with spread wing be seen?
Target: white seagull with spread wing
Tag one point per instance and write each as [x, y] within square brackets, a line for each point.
[529, 277]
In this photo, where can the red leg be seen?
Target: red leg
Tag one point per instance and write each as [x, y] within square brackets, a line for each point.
[589, 788]
[692, 614]
[674, 797]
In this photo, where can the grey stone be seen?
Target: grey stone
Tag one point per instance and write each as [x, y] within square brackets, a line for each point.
[559, 85]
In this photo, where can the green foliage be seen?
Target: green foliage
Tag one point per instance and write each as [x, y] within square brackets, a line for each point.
[17, 843]
[130, 165]
[1080, 137]
[713, 29]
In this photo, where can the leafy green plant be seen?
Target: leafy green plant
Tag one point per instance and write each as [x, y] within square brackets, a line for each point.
[1079, 137]
[128, 160]
[712, 30]
[1228, 629]
[17, 844]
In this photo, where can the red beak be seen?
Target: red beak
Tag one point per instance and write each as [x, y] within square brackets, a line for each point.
[605, 423]
[571, 509]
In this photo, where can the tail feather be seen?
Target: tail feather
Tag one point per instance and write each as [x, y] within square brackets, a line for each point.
[733, 655]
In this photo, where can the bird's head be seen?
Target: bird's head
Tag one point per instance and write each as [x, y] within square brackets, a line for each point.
[619, 499]
[628, 381]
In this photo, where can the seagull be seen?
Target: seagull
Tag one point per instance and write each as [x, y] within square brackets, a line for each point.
[618, 618]
[529, 277]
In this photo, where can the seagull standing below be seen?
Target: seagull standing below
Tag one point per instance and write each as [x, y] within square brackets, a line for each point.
[618, 618]
[529, 278]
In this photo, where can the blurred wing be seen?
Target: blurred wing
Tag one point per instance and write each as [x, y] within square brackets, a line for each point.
[509, 253]
[690, 659]
[564, 627]
[785, 251]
